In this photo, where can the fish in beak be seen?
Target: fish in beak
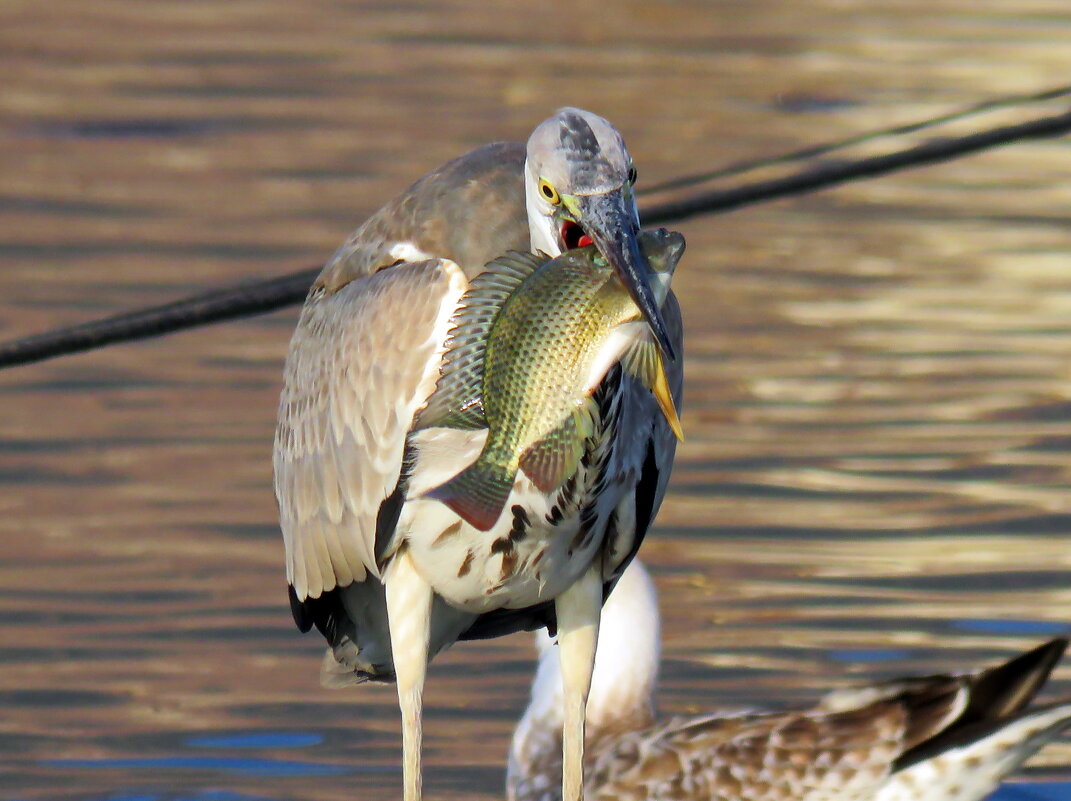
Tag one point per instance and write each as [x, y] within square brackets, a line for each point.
[609, 220]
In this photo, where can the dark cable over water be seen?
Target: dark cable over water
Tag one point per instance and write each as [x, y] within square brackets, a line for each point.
[209, 307]
[814, 151]
[287, 290]
[719, 201]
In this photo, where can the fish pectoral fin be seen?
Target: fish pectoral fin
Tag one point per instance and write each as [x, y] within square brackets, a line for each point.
[643, 360]
[478, 493]
[554, 458]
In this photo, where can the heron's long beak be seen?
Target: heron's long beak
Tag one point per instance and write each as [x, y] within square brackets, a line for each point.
[608, 219]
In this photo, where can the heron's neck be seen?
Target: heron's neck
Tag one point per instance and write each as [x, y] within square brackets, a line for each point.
[626, 670]
[541, 228]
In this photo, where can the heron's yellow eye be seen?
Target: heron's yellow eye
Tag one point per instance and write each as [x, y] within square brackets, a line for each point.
[632, 176]
[549, 193]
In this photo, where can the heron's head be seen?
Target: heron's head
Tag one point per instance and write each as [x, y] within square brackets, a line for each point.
[579, 181]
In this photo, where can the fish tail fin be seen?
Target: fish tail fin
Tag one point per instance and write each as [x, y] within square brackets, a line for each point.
[664, 397]
[477, 493]
[644, 361]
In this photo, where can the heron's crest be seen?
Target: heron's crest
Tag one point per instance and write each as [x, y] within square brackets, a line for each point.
[580, 153]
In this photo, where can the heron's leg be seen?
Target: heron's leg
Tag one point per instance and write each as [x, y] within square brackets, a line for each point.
[578, 610]
[409, 615]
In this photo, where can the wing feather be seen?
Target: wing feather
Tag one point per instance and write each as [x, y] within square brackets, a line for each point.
[362, 361]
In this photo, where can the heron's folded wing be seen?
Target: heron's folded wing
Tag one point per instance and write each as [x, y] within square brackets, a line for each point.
[362, 361]
[646, 439]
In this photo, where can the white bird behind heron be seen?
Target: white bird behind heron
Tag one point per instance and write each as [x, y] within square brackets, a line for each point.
[933, 738]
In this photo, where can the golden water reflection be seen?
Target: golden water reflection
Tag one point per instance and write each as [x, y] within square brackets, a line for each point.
[877, 415]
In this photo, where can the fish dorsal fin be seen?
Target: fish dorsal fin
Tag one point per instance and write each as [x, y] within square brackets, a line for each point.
[551, 460]
[457, 401]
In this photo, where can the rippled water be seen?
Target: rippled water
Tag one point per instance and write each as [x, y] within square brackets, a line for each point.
[879, 439]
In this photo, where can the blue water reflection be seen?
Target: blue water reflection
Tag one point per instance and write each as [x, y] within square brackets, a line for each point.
[267, 739]
[1037, 791]
[1023, 628]
[235, 766]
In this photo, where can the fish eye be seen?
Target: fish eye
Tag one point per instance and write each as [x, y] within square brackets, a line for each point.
[549, 192]
[632, 175]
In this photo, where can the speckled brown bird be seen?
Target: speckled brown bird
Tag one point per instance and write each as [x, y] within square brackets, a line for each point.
[932, 738]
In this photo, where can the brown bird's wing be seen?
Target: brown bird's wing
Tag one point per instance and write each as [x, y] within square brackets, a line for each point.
[786, 757]
[848, 747]
[362, 360]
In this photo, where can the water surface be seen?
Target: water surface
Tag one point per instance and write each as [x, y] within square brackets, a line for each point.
[878, 432]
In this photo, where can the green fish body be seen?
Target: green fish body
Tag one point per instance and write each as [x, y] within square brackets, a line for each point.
[531, 341]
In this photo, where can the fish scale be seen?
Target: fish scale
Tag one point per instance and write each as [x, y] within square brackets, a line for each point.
[531, 339]
[569, 339]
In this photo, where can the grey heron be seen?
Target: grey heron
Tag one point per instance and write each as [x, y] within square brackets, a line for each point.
[391, 577]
